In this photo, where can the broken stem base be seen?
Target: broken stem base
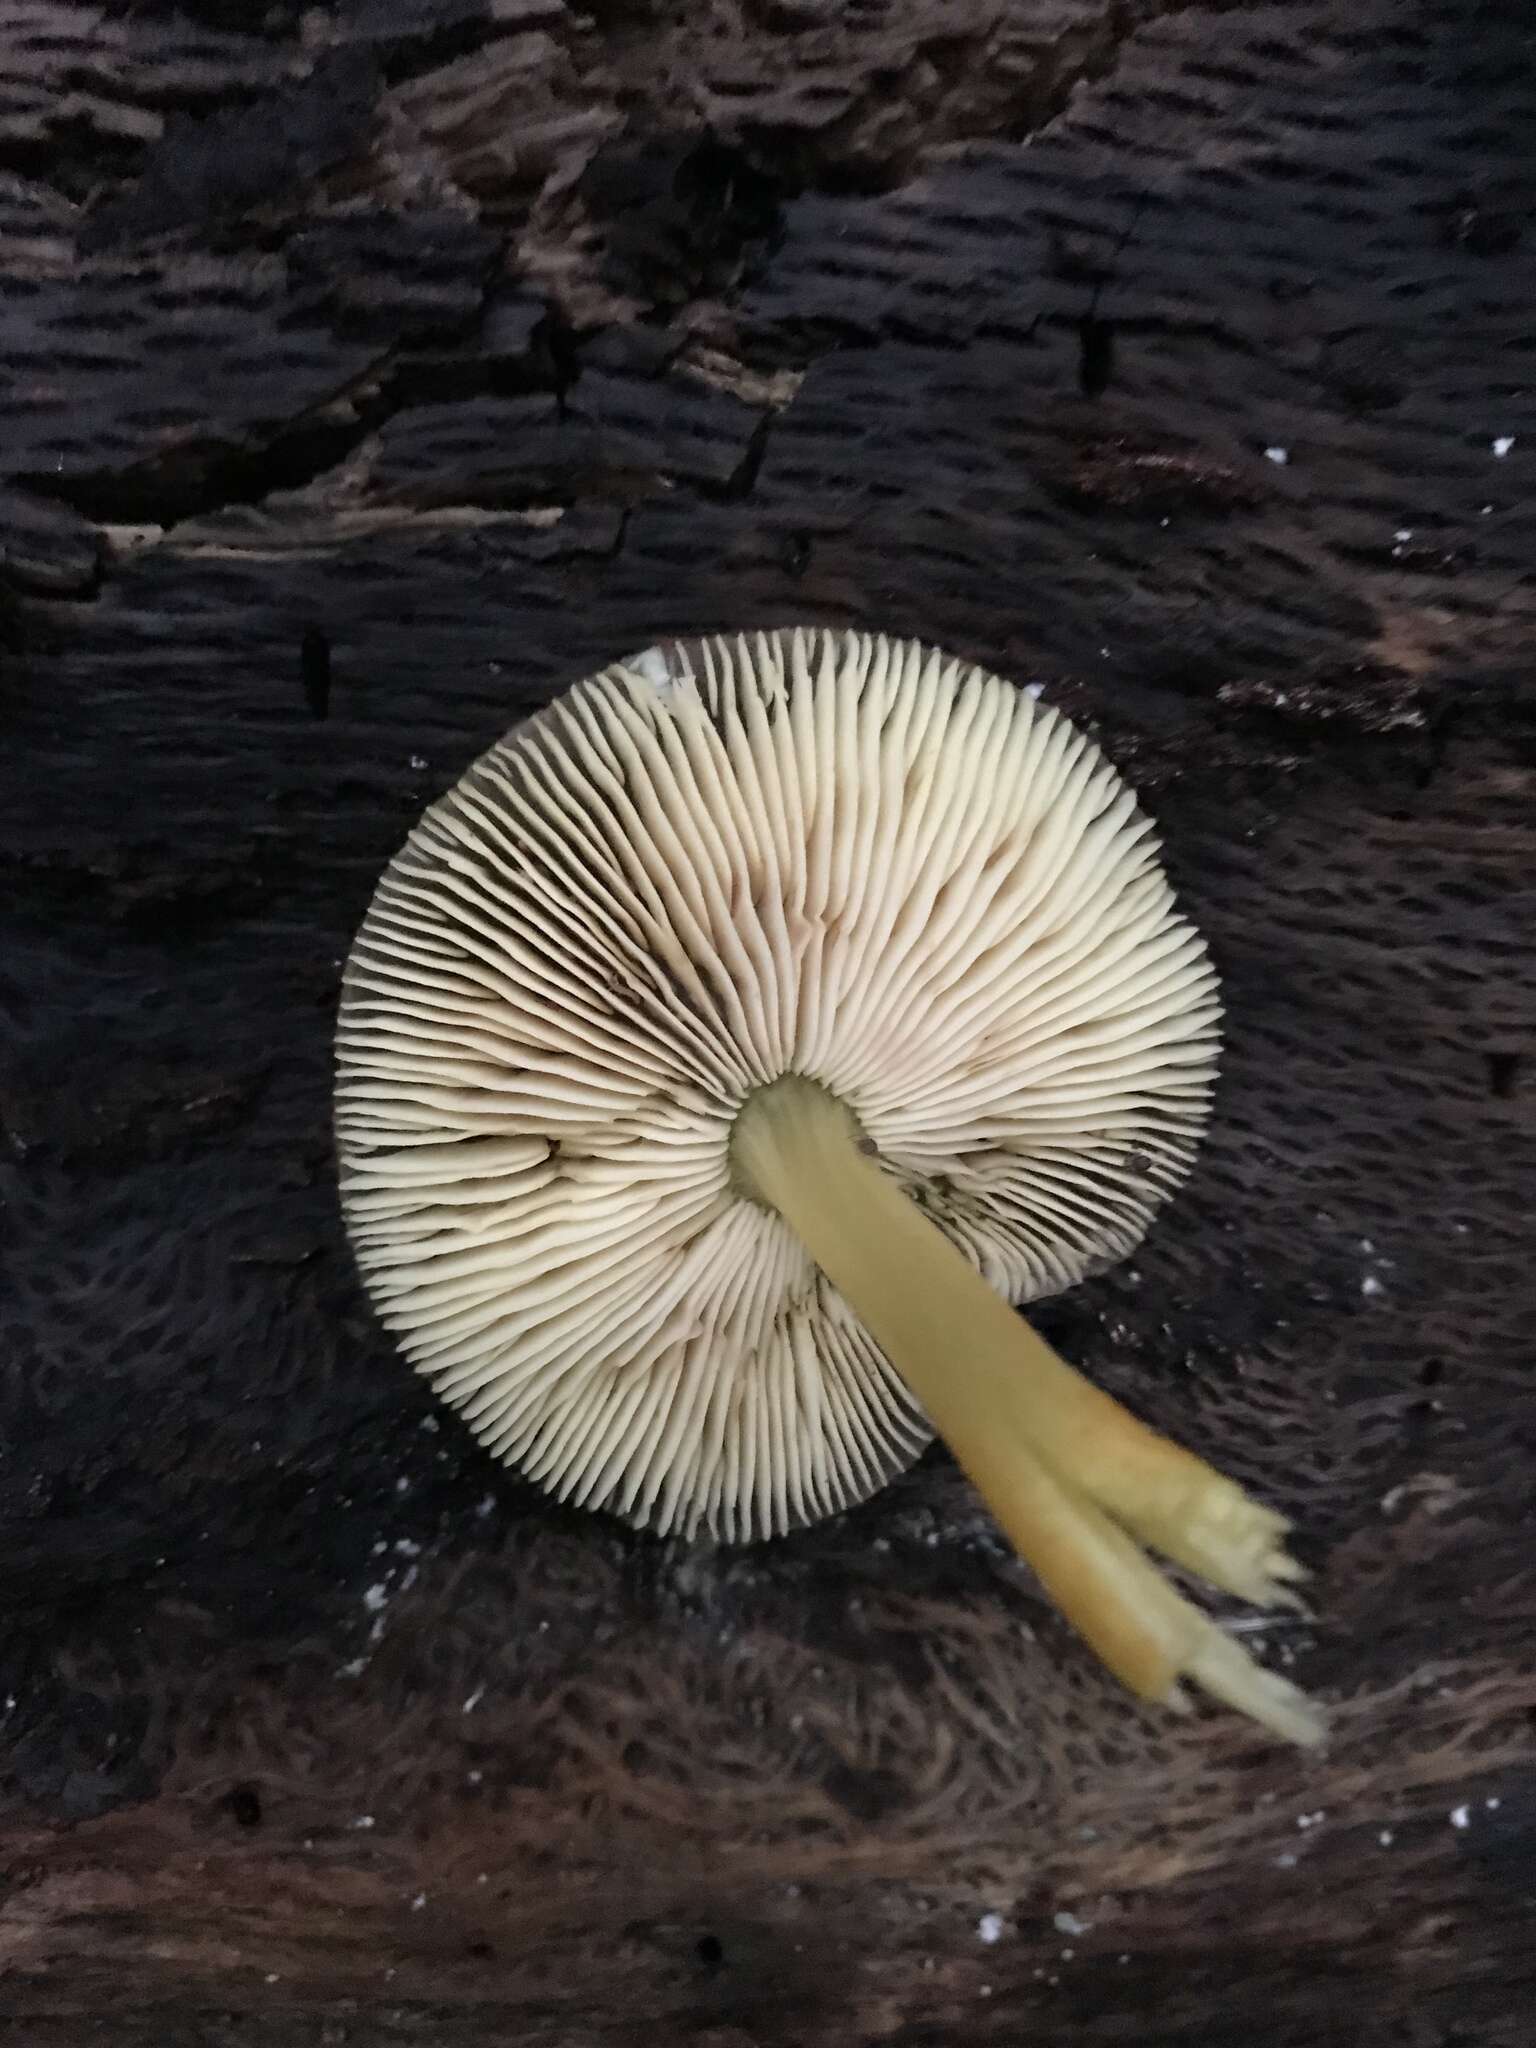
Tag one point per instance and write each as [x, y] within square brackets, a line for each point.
[1070, 1474]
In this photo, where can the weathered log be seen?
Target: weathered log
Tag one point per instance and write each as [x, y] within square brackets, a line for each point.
[370, 371]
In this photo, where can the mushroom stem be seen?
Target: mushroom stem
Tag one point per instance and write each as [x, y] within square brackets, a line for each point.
[1054, 1457]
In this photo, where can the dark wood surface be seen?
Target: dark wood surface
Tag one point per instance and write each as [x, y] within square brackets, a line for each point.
[369, 371]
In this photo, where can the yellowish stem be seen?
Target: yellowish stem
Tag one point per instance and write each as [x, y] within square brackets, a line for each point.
[1066, 1470]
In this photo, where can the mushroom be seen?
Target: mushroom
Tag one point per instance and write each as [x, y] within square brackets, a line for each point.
[730, 1048]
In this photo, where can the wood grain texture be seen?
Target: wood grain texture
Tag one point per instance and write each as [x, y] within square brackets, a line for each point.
[366, 373]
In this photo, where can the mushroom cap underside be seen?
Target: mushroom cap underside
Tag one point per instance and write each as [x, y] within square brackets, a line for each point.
[833, 854]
